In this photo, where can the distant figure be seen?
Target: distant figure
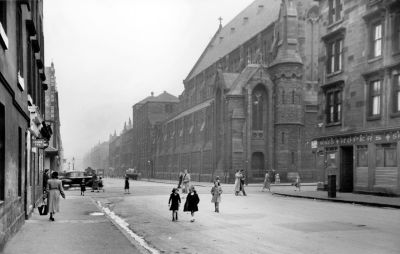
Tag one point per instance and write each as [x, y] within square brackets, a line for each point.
[267, 182]
[242, 181]
[101, 184]
[297, 183]
[277, 178]
[126, 185]
[192, 200]
[180, 179]
[216, 192]
[45, 178]
[94, 182]
[55, 189]
[238, 176]
[186, 182]
[83, 187]
[174, 202]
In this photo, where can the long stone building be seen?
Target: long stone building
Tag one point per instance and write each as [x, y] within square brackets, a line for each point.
[23, 131]
[250, 101]
[359, 73]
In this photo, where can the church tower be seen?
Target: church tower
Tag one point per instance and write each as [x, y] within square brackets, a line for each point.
[286, 72]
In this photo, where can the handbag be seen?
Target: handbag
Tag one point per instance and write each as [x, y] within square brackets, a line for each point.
[43, 209]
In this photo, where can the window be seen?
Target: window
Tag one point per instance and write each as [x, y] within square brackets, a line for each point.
[375, 91]
[333, 106]
[2, 150]
[362, 156]
[386, 155]
[396, 93]
[335, 11]
[376, 39]
[396, 32]
[19, 42]
[335, 55]
[3, 15]
[258, 99]
[283, 137]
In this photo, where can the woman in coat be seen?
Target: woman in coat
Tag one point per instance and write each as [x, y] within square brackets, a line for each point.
[192, 200]
[267, 182]
[186, 182]
[238, 177]
[216, 192]
[54, 189]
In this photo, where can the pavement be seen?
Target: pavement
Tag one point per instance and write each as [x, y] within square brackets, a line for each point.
[80, 227]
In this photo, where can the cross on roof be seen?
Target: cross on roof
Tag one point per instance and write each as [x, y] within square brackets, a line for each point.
[220, 21]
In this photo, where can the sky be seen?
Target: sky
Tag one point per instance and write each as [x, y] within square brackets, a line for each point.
[110, 54]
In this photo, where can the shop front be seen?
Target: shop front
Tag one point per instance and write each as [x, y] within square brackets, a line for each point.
[362, 162]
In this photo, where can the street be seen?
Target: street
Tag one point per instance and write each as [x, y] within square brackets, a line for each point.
[257, 223]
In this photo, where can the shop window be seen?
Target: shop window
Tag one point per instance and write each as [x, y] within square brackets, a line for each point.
[335, 11]
[335, 55]
[362, 156]
[333, 106]
[374, 100]
[386, 155]
[396, 93]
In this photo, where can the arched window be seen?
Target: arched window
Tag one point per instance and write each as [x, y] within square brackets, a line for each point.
[293, 94]
[283, 96]
[259, 107]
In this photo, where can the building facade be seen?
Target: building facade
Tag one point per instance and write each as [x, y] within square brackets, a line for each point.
[250, 101]
[22, 127]
[54, 152]
[359, 117]
[97, 158]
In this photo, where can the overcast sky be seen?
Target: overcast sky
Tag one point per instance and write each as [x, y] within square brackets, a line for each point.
[110, 54]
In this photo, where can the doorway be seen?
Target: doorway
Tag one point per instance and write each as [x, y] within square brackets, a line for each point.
[257, 165]
[346, 169]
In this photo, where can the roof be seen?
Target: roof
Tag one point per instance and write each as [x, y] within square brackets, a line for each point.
[251, 21]
[164, 97]
[192, 109]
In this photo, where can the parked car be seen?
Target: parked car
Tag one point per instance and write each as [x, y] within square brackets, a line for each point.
[74, 178]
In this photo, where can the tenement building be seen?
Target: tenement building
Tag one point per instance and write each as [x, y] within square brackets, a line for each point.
[359, 73]
[250, 100]
[23, 131]
[97, 158]
[135, 146]
[54, 152]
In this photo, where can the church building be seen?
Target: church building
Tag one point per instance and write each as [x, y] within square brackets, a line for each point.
[250, 100]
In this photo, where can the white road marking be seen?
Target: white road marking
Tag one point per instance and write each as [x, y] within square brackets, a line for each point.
[125, 226]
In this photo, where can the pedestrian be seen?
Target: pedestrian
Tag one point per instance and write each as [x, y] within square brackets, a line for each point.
[94, 182]
[216, 192]
[238, 176]
[277, 178]
[83, 187]
[101, 184]
[186, 182]
[180, 179]
[267, 182]
[45, 178]
[192, 200]
[126, 184]
[297, 183]
[54, 189]
[173, 203]
[242, 181]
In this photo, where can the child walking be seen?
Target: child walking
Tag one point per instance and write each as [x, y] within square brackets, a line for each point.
[216, 192]
[173, 203]
[192, 200]
[126, 185]
[297, 183]
[83, 187]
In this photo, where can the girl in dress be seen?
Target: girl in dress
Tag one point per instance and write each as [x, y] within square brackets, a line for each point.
[83, 187]
[192, 200]
[267, 183]
[126, 185]
[174, 202]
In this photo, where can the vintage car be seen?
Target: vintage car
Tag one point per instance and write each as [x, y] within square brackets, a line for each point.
[74, 178]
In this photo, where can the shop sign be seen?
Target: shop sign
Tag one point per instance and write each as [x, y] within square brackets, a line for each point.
[40, 143]
[392, 136]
